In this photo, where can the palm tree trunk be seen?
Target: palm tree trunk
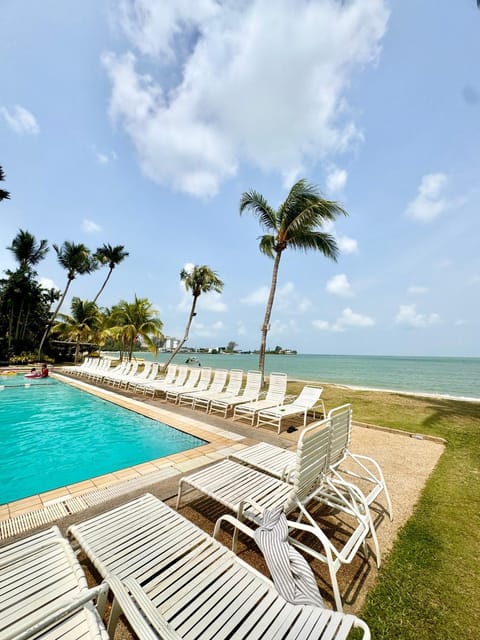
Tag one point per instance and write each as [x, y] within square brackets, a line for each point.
[103, 286]
[268, 313]
[187, 331]
[52, 320]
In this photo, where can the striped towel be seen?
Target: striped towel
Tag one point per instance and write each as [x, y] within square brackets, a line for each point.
[291, 573]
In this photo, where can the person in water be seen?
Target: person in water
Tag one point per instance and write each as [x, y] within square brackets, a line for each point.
[44, 373]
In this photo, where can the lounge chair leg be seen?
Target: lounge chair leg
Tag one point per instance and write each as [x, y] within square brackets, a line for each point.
[115, 613]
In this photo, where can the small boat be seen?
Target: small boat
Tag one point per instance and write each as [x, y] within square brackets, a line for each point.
[194, 361]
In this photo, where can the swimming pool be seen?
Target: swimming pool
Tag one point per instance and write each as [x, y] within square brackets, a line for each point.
[53, 435]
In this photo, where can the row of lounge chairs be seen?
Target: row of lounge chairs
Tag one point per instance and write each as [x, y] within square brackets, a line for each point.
[213, 390]
[223, 393]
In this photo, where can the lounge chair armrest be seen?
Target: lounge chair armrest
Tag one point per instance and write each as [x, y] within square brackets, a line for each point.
[142, 613]
[235, 522]
[59, 611]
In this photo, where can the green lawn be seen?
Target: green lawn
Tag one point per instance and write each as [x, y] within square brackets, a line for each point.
[429, 587]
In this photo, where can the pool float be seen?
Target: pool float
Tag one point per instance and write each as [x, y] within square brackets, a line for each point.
[8, 373]
[32, 375]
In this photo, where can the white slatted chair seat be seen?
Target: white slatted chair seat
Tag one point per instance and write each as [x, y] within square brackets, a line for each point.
[172, 581]
[277, 388]
[216, 386]
[234, 384]
[201, 384]
[122, 380]
[248, 492]
[250, 393]
[189, 383]
[306, 401]
[44, 592]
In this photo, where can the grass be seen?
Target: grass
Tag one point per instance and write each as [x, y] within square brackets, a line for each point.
[429, 586]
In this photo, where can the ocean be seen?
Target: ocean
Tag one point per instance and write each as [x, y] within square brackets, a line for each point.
[453, 377]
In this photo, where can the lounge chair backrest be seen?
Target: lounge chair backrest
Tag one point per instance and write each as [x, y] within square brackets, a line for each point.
[341, 432]
[218, 382]
[311, 460]
[182, 373]
[170, 374]
[205, 375]
[234, 381]
[152, 374]
[133, 369]
[193, 376]
[277, 386]
[308, 397]
[253, 383]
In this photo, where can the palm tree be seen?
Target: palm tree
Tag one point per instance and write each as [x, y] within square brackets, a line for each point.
[76, 259]
[297, 224]
[135, 320]
[111, 256]
[198, 280]
[27, 251]
[4, 195]
[81, 325]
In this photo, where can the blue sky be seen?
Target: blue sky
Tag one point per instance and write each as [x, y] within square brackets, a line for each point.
[141, 123]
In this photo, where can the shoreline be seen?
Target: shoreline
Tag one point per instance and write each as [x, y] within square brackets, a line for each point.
[416, 394]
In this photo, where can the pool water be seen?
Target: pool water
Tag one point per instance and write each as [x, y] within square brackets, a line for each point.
[53, 435]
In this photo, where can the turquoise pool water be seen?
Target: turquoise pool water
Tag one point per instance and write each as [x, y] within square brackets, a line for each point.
[52, 435]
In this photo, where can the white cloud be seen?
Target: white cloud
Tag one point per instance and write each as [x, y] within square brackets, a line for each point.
[89, 226]
[218, 87]
[279, 328]
[48, 283]
[207, 330]
[105, 158]
[336, 180]
[259, 296]
[347, 319]
[408, 315]
[212, 301]
[428, 204]
[347, 245]
[416, 290]
[20, 120]
[339, 286]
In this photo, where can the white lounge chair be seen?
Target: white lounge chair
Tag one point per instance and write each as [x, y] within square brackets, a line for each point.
[172, 580]
[168, 378]
[235, 379]
[133, 376]
[162, 386]
[347, 465]
[44, 592]
[201, 383]
[216, 386]
[248, 492]
[144, 378]
[277, 388]
[250, 393]
[305, 402]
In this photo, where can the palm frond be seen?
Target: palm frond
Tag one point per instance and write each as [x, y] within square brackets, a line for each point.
[267, 245]
[255, 203]
[316, 240]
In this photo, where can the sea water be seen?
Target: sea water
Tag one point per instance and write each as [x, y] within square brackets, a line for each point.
[445, 376]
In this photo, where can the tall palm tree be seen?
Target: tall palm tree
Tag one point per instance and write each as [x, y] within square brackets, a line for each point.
[81, 325]
[297, 223]
[200, 279]
[137, 319]
[4, 195]
[77, 260]
[111, 256]
[27, 251]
